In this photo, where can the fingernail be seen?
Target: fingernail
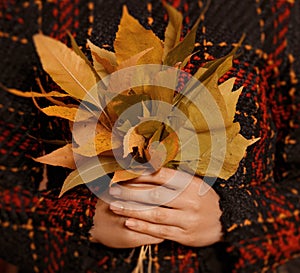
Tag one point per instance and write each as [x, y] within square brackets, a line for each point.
[130, 223]
[115, 191]
[116, 206]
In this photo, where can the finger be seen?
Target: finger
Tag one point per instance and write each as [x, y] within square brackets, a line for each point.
[157, 195]
[129, 238]
[167, 177]
[159, 231]
[157, 215]
[140, 239]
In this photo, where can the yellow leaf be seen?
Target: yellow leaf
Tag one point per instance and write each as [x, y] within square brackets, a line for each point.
[61, 157]
[132, 61]
[157, 136]
[83, 130]
[132, 38]
[90, 171]
[184, 48]
[159, 91]
[173, 30]
[103, 66]
[79, 52]
[31, 94]
[104, 55]
[200, 103]
[148, 128]
[65, 67]
[102, 142]
[230, 98]
[235, 152]
[171, 144]
[218, 160]
[70, 113]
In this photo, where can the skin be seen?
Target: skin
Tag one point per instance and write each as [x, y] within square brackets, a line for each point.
[183, 209]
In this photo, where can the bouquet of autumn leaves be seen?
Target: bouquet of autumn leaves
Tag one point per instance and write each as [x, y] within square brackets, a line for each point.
[150, 140]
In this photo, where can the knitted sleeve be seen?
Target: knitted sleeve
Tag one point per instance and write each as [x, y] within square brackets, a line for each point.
[38, 231]
[261, 216]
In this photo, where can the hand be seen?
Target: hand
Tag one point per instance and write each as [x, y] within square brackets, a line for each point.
[109, 229]
[190, 214]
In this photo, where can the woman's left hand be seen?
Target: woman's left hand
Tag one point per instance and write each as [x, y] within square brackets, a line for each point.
[180, 207]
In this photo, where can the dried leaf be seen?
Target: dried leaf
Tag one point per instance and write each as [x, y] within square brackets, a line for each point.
[173, 30]
[137, 39]
[102, 142]
[184, 48]
[146, 111]
[234, 154]
[157, 136]
[61, 157]
[31, 94]
[124, 127]
[219, 160]
[164, 84]
[124, 175]
[122, 102]
[132, 61]
[90, 171]
[65, 67]
[160, 153]
[230, 98]
[84, 129]
[70, 113]
[104, 55]
[103, 65]
[187, 59]
[148, 128]
[131, 140]
[79, 52]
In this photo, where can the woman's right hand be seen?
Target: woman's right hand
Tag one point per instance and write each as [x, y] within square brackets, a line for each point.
[109, 229]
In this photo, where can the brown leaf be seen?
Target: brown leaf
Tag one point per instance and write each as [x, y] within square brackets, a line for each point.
[62, 157]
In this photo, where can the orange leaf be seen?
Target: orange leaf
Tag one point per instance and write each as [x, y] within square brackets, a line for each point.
[124, 175]
[61, 157]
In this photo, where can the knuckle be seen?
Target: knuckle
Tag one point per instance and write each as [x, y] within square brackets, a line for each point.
[158, 216]
[163, 231]
[192, 203]
[155, 195]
